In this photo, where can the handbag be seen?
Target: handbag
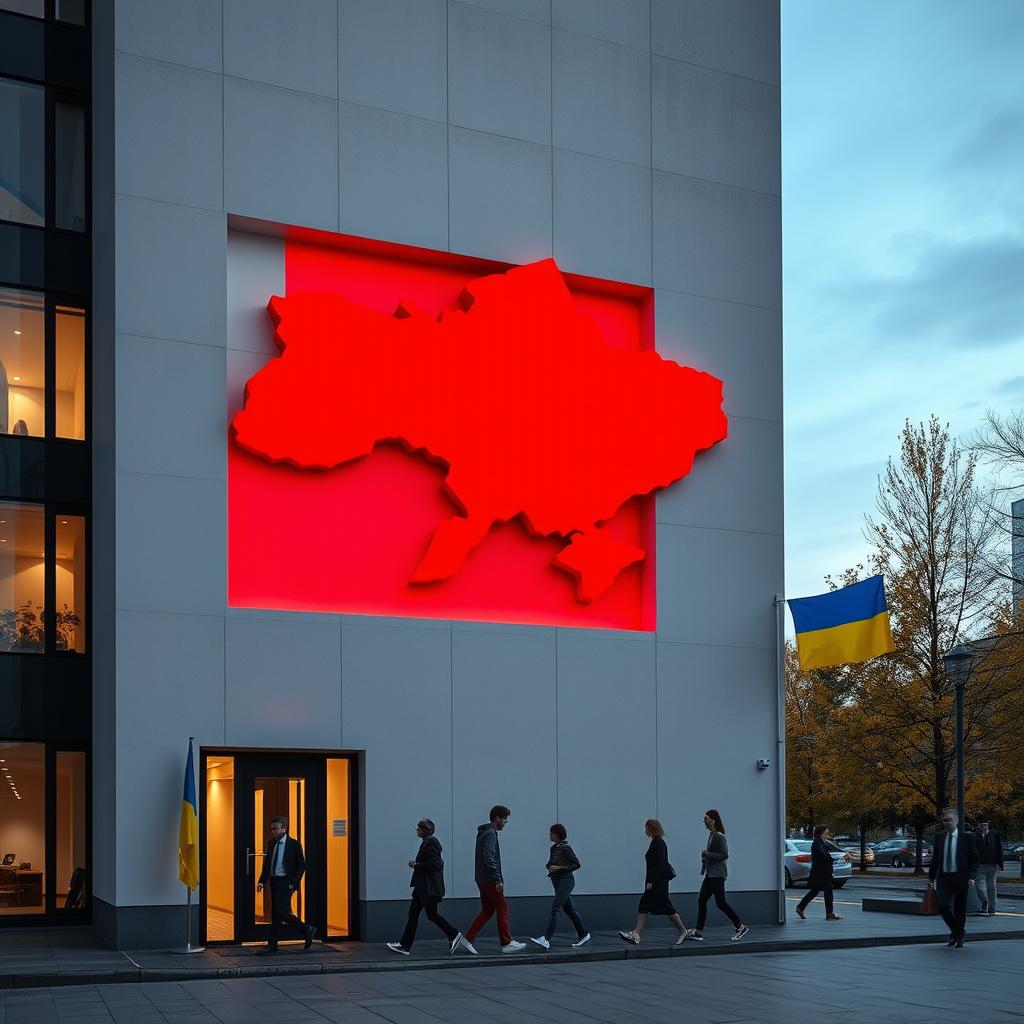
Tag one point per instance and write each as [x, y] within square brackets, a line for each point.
[929, 902]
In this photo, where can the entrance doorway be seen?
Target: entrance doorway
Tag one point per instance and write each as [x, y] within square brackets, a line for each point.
[244, 791]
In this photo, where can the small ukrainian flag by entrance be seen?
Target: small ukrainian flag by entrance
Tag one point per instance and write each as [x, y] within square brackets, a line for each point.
[188, 828]
[847, 625]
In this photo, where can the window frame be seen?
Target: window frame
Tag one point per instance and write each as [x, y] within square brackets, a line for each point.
[51, 300]
[51, 511]
[52, 95]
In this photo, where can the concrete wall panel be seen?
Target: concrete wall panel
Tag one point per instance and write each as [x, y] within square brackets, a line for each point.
[170, 265]
[602, 217]
[408, 671]
[503, 749]
[619, 21]
[283, 680]
[278, 44]
[187, 32]
[392, 54]
[499, 74]
[602, 98]
[280, 155]
[394, 177]
[176, 157]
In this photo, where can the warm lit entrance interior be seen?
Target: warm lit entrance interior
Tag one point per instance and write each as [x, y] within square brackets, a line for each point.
[244, 791]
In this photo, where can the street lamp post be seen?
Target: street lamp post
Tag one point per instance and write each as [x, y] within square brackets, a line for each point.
[959, 662]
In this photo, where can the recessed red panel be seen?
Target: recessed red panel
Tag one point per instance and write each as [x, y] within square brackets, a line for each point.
[447, 438]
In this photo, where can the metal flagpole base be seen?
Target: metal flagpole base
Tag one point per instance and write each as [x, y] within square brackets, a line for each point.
[188, 949]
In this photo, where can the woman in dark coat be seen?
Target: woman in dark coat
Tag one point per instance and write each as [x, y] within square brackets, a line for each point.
[561, 867]
[655, 899]
[820, 878]
[427, 885]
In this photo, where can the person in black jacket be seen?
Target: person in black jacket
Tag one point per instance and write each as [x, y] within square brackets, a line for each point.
[952, 872]
[427, 885]
[990, 863]
[283, 868]
[561, 865]
[655, 899]
[820, 878]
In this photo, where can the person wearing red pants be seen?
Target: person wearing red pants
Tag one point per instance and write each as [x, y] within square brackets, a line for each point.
[491, 884]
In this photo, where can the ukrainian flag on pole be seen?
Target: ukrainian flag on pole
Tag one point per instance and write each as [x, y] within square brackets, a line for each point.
[845, 626]
[188, 828]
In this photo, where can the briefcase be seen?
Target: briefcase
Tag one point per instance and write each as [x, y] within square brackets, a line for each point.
[929, 904]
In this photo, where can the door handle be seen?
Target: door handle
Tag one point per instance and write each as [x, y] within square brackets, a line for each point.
[249, 855]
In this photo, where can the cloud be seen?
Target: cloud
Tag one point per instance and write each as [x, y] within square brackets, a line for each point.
[996, 143]
[1011, 389]
[964, 293]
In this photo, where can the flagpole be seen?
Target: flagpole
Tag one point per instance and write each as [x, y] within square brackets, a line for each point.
[780, 746]
[188, 947]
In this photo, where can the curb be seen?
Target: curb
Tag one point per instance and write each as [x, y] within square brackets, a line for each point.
[144, 975]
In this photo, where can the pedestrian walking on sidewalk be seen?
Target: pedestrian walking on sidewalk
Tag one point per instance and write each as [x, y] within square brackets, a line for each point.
[489, 880]
[655, 899]
[952, 872]
[427, 884]
[990, 863]
[713, 867]
[561, 867]
[820, 878]
[283, 868]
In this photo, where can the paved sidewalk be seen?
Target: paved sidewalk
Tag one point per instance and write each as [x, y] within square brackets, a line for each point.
[917, 984]
[76, 956]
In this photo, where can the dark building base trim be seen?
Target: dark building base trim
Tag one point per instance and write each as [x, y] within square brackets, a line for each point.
[157, 927]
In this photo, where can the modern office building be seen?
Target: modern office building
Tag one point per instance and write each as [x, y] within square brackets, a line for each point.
[385, 564]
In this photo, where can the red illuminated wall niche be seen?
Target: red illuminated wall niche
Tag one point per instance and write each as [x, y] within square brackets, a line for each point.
[446, 438]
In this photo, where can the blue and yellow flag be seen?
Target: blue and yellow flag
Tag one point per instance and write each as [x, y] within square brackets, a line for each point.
[188, 829]
[847, 625]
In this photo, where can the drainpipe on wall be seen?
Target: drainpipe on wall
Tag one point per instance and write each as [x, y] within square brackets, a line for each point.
[780, 748]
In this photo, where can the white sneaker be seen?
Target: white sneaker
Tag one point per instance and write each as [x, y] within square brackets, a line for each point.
[630, 937]
[456, 942]
[397, 947]
[581, 942]
[683, 936]
[468, 946]
[740, 932]
[542, 942]
[694, 935]
[513, 947]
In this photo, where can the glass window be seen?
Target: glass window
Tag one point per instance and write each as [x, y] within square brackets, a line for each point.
[70, 372]
[70, 626]
[23, 152]
[71, 884]
[22, 828]
[33, 8]
[22, 361]
[338, 846]
[69, 166]
[21, 578]
[71, 11]
[219, 810]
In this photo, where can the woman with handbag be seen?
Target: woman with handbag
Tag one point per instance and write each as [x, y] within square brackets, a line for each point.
[655, 899]
[820, 878]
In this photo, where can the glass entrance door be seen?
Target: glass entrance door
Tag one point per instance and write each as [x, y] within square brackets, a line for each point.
[268, 787]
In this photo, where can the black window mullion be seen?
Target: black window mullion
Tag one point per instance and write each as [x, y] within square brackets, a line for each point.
[50, 367]
[50, 581]
[50, 839]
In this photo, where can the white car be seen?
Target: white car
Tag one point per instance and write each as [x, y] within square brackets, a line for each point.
[797, 860]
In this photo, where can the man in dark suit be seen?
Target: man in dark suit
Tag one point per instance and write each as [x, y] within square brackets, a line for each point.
[427, 884]
[990, 863]
[283, 868]
[952, 872]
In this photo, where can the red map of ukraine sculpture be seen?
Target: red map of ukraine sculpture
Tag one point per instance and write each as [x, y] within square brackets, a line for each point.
[516, 393]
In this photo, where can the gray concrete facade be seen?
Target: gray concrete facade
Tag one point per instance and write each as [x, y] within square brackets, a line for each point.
[631, 139]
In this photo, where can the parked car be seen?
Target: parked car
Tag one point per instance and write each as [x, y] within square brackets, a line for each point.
[902, 853]
[796, 857]
[852, 847]
[1013, 849]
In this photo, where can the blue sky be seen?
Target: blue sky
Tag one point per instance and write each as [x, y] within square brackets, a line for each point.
[903, 245]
